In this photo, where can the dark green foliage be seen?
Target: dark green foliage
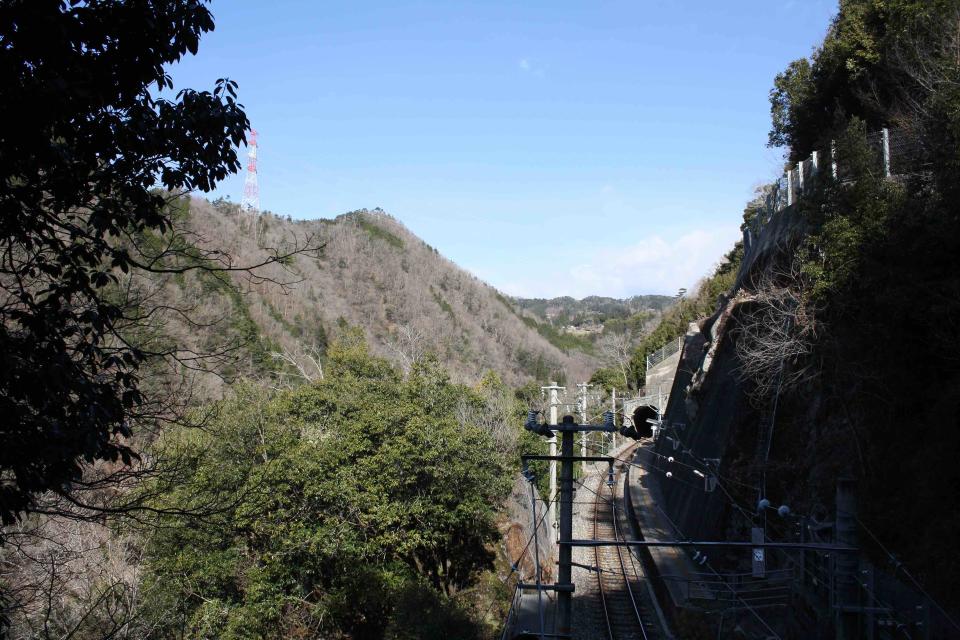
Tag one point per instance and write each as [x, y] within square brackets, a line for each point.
[863, 69]
[539, 367]
[443, 304]
[881, 260]
[632, 324]
[420, 613]
[356, 505]
[367, 221]
[242, 332]
[308, 327]
[607, 379]
[791, 92]
[846, 219]
[563, 341]
[505, 302]
[882, 266]
[86, 143]
[528, 395]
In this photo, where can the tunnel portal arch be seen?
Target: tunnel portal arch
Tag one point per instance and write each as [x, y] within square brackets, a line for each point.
[640, 416]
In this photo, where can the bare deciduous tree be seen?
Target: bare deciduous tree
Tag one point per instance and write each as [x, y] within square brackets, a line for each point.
[495, 417]
[408, 344]
[305, 361]
[777, 328]
[615, 350]
[928, 62]
[72, 579]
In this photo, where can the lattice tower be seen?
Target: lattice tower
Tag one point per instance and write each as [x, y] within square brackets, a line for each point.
[251, 188]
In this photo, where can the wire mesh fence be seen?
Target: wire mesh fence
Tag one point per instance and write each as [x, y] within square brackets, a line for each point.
[663, 353]
[906, 152]
[894, 154]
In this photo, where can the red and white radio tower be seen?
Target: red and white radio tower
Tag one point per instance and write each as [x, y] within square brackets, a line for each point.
[251, 189]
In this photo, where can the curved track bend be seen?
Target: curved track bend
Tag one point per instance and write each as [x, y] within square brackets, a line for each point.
[623, 596]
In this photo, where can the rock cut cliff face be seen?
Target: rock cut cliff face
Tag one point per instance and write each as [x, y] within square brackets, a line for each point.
[835, 405]
[717, 417]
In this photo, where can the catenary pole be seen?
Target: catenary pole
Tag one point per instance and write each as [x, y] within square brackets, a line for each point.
[582, 387]
[565, 573]
[613, 408]
[553, 417]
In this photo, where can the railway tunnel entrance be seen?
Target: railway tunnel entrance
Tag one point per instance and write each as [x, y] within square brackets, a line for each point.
[640, 416]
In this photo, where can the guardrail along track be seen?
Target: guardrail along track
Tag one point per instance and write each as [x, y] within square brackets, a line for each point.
[624, 599]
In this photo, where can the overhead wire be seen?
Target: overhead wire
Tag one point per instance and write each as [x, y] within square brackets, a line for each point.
[732, 590]
[655, 468]
[751, 520]
[724, 582]
[515, 565]
[899, 566]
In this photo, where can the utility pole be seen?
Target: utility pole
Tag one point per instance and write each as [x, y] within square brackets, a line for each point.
[613, 409]
[552, 498]
[564, 586]
[582, 405]
[565, 573]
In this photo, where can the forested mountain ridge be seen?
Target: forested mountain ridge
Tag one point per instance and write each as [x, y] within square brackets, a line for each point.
[566, 310]
[369, 272]
[594, 315]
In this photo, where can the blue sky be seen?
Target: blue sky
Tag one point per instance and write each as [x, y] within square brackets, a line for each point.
[552, 148]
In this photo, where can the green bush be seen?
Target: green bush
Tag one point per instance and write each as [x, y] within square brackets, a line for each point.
[319, 503]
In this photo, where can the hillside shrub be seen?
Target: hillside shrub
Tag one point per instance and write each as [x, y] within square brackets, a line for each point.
[338, 508]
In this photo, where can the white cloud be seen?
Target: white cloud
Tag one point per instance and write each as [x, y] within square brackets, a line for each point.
[528, 66]
[655, 264]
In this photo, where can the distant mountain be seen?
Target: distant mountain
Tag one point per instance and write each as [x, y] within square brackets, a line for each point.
[592, 311]
[372, 273]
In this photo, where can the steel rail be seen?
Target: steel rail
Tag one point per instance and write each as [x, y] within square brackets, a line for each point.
[603, 599]
[623, 566]
[611, 504]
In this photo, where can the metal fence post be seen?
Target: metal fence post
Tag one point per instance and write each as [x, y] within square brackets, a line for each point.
[833, 158]
[886, 152]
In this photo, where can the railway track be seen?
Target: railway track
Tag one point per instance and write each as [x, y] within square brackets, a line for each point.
[625, 600]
